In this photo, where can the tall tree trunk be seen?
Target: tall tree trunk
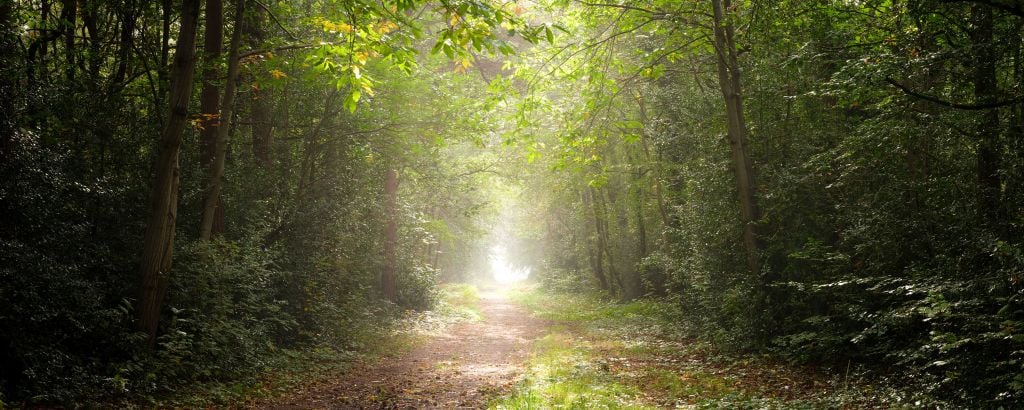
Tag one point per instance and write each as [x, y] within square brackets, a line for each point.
[91, 21]
[158, 243]
[603, 237]
[986, 91]
[641, 222]
[68, 23]
[261, 115]
[215, 173]
[262, 127]
[9, 84]
[1012, 196]
[124, 44]
[594, 247]
[731, 86]
[209, 106]
[388, 284]
[165, 47]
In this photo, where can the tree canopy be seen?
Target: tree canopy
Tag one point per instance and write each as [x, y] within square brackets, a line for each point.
[190, 188]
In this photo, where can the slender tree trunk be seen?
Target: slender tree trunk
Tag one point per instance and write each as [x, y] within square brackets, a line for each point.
[91, 21]
[641, 222]
[603, 239]
[262, 127]
[594, 247]
[986, 91]
[158, 243]
[68, 23]
[9, 84]
[388, 284]
[729, 82]
[124, 45]
[165, 47]
[213, 205]
[260, 112]
[209, 105]
[1012, 196]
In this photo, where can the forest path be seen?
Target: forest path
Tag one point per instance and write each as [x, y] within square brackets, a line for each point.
[463, 368]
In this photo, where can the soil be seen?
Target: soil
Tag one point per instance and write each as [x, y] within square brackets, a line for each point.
[467, 366]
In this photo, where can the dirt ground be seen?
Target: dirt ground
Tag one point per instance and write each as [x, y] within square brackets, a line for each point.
[464, 368]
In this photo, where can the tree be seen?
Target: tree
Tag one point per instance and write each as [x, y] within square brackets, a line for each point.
[729, 80]
[213, 203]
[158, 244]
[388, 284]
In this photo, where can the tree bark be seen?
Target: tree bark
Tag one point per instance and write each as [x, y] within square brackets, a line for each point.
[603, 246]
[986, 91]
[388, 284]
[158, 243]
[68, 23]
[594, 247]
[9, 84]
[731, 86]
[124, 45]
[209, 103]
[261, 114]
[213, 203]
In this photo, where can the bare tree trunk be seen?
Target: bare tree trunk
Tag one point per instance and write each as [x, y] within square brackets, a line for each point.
[261, 115]
[209, 101]
[729, 82]
[215, 172]
[601, 222]
[158, 243]
[9, 84]
[641, 222]
[124, 45]
[986, 91]
[262, 127]
[68, 23]
[388, 284]
[594, 247]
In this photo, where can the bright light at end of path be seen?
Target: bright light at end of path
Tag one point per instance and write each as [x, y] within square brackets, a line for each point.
[502, 270]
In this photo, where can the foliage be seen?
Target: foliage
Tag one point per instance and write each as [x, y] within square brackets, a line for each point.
[888, 189]
[322, 113]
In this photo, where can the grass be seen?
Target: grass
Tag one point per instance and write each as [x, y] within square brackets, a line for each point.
[565, 375]
[601, 354]
[460, 300]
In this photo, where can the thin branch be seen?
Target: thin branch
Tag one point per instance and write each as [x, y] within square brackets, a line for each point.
[276, 21]
[276, 49]
[939, 101]
[618, 6]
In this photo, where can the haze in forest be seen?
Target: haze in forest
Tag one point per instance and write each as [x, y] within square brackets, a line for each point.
[512, 204]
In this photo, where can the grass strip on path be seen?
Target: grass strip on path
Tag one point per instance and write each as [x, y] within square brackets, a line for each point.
[605, 355]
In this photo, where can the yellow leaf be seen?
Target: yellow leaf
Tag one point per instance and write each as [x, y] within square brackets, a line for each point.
[278, 74]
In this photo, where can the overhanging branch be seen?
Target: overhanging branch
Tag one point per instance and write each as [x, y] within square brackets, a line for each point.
[950, 104]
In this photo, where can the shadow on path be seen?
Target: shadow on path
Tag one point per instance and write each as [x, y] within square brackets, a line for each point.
[464, 368]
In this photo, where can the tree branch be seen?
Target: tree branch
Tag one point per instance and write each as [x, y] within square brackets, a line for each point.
[276, 21]
[939, 101]
[276, 49]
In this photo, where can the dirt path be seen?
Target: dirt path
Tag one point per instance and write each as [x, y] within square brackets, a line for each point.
[471, 363]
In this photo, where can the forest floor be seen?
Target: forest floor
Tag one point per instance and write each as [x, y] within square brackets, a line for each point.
[466, 365]
[528, 349]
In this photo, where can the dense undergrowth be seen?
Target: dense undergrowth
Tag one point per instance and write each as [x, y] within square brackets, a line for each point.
[285, 371]
[604, 354]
